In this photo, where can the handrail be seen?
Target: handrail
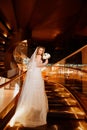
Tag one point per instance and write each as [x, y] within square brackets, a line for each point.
[16, 77]
[84, 71]
[71, 54]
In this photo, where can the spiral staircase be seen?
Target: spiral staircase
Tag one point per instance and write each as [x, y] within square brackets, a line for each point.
[67, 107]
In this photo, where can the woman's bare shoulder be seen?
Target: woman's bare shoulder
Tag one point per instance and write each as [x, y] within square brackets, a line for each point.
[38, 56]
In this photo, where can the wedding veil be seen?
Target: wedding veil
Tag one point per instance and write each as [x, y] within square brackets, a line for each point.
[32, 60]
[32, 104]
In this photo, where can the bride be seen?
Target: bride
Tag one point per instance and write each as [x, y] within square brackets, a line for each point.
[32, 106]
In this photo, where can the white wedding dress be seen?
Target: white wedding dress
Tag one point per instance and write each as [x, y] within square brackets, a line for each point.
[32, 105]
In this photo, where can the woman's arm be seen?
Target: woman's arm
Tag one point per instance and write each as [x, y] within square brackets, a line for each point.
[39, 61]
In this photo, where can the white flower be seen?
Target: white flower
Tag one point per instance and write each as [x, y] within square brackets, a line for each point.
[46, 56]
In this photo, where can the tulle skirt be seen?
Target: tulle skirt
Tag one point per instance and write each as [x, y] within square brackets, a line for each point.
[32, 105]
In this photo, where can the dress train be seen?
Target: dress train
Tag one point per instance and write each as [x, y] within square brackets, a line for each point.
[32, 105]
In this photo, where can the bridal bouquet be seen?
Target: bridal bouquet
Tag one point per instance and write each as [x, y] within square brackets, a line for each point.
[46, 56]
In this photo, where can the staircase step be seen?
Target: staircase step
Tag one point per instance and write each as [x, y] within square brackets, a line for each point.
[56, 106]
[66, 113]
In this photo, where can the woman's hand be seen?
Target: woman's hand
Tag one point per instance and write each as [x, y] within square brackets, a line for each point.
[39, 61]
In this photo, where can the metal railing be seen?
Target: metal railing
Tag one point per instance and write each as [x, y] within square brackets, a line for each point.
[14, 79]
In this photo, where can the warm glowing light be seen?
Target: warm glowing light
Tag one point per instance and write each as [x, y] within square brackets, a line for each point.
[55, 126]
[8, 26]
[78, 111]
[5, 34]
[42, 69]
[70, 101]
[3, 42]
[64, 94]
[79, 128]
[56, 32]
[24, 41]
